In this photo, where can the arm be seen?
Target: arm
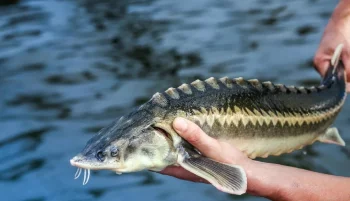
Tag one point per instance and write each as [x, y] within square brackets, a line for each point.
[337, 31]
[272, 181]
[278, 182]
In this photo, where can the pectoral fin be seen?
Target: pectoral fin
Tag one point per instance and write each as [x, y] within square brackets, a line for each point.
[227, 178]
[332, 136]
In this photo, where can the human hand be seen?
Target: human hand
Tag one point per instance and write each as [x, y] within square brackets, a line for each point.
[217, 150]
[272, 181]
[337, 31]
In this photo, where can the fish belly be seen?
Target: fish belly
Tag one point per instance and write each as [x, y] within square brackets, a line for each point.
[263, 147]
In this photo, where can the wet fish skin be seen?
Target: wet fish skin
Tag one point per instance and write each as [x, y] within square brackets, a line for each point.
[229, 109]
[252, 109]
[259, 118]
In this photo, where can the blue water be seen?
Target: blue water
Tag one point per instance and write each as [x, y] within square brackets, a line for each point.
[68, 68]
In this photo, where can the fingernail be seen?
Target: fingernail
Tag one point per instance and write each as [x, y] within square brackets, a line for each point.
[180, 124]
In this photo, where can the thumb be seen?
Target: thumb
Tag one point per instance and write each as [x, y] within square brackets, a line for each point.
[321, 63]
[194, 135]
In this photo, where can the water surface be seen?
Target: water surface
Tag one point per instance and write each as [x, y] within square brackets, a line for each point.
[68, 68]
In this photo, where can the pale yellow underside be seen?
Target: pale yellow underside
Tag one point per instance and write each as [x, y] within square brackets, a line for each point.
[263, 147]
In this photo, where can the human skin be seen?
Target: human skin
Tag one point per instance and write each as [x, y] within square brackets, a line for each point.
[337, 31]
[273, 181]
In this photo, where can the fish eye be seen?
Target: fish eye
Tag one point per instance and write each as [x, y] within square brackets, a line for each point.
[114, 151]
[101, 156]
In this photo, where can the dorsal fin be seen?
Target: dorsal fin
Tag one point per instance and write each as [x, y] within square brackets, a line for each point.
[159, 99]
[172, 92]
[227, 82]
[212, 82]
[281, 87]
[302, 90]
[199, 85]
[292, 88]
[312, 89]
[255, 83]
[239, 80]
[185, 88]
[269, 85]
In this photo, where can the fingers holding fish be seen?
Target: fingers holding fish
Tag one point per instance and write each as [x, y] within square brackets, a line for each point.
[336, 32]
[195, 136]
[215, 149]
[322, 61]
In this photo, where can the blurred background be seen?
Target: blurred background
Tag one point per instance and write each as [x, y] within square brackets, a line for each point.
[69, 67]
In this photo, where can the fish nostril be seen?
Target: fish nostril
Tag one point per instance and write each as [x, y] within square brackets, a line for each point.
[101, 156]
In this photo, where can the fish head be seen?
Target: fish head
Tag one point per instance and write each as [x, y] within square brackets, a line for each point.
[130, 144]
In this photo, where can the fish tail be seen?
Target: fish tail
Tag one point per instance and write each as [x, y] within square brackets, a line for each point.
[336, 71]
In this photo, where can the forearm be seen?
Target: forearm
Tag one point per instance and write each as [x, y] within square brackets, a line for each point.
[278, 182]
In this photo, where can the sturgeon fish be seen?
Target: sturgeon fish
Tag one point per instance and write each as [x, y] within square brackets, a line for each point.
[259, 118]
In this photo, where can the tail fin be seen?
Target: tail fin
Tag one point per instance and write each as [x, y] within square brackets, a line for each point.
[336, 69]
[336, 55]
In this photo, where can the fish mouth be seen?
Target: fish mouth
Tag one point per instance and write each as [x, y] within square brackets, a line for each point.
[91, 166]
[81, 164]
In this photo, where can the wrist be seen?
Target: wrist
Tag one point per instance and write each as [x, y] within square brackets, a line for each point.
[263, 180]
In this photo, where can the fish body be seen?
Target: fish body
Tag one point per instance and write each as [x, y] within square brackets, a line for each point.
[259, 118]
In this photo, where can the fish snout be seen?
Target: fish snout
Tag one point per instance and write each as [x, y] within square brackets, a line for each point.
[72, 162]
[75, 160]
